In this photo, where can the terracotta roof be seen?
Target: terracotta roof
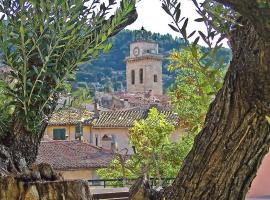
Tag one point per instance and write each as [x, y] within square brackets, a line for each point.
[118, 118]
[70, 117]
[143, 99]
[68, 155]
[128, 117]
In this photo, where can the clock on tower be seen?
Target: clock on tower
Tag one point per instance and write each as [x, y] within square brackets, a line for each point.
[136, 51]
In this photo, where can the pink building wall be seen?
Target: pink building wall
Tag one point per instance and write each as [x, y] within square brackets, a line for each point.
[260, 186]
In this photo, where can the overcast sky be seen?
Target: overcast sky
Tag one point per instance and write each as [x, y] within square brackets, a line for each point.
[153, 18]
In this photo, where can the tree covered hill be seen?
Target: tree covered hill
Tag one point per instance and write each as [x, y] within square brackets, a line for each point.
[108, 70]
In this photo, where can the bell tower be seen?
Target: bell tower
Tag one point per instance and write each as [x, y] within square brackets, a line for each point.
[144, 67]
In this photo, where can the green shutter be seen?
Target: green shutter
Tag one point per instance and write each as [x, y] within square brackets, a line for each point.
[59, 134]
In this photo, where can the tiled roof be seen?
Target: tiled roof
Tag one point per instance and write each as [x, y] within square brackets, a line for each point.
[127, 118]
[143, 99]
[71, 116]
[68, 155]
[118, 118]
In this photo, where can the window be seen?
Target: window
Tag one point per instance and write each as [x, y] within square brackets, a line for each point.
[96, 136]
[155, 78]
[114, 142]
[113, 139]
[141, 76]
[132, 77]
[78, 131]
[59, 134]
[77, 128]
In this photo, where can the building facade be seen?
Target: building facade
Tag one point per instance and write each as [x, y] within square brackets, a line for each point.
[69, 124]
[116, 125]
[144, 68]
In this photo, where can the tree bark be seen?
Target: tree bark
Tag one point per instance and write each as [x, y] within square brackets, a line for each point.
[236, 136]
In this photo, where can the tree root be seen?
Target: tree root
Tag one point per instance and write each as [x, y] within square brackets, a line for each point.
[142, 190]
[20, 170]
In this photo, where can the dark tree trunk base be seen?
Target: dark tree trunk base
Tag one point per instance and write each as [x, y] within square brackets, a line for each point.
[24, 173]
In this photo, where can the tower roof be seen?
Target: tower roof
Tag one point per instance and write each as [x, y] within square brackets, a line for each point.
[142, 35]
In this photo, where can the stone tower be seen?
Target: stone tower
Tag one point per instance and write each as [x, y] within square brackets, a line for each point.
[144, 68]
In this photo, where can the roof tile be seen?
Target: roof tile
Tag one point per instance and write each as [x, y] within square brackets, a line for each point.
[66, 155]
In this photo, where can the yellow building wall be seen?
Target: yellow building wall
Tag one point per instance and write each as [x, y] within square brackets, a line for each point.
[121, 136]
[70, 131]
[86, 133]
[84, 174]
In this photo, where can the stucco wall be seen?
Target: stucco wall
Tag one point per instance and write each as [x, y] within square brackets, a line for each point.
[70, 131]
[177, 134]
[121, 137]
[261, 184]
[150, 68]
[84, 174]
[142, 45]
[150, 63]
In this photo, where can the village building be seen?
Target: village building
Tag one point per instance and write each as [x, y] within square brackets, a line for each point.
[143, 78]
[102, 128]
[74, 159]
[116, 125]
[69, 124]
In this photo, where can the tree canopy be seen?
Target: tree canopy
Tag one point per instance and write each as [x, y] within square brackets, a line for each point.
[43, 43]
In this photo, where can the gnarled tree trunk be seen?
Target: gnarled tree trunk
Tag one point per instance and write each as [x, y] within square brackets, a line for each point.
[236, 136]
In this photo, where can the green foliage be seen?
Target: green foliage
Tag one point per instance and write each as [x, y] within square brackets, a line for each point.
[194, 88]
[44, 42]
[156, 155]
[80, 96]
[199, 71]
[5, 109]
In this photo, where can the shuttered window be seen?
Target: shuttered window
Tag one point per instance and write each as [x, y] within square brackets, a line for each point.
[59, 134]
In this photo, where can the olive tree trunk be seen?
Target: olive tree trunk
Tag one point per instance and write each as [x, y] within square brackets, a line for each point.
[236, 136]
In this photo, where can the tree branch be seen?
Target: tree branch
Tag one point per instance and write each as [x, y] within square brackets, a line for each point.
[258, 12]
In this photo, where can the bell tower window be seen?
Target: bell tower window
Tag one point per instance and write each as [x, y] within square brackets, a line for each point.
[141, 76]
[132, 77]
[155, 78]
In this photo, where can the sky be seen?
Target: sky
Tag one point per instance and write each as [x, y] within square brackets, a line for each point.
[154, 19]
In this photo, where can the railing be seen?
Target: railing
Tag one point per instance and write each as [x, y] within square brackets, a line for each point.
[125, 182]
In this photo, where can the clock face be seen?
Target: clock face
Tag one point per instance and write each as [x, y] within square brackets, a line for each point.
[136, 51]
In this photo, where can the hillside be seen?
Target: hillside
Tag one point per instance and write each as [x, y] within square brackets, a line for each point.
[109, 69]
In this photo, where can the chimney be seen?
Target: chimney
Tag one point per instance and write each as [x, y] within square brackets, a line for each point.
[106, 142]
[96, 108]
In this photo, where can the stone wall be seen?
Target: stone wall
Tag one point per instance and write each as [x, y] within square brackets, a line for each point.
[11, 189]
[151, 65]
